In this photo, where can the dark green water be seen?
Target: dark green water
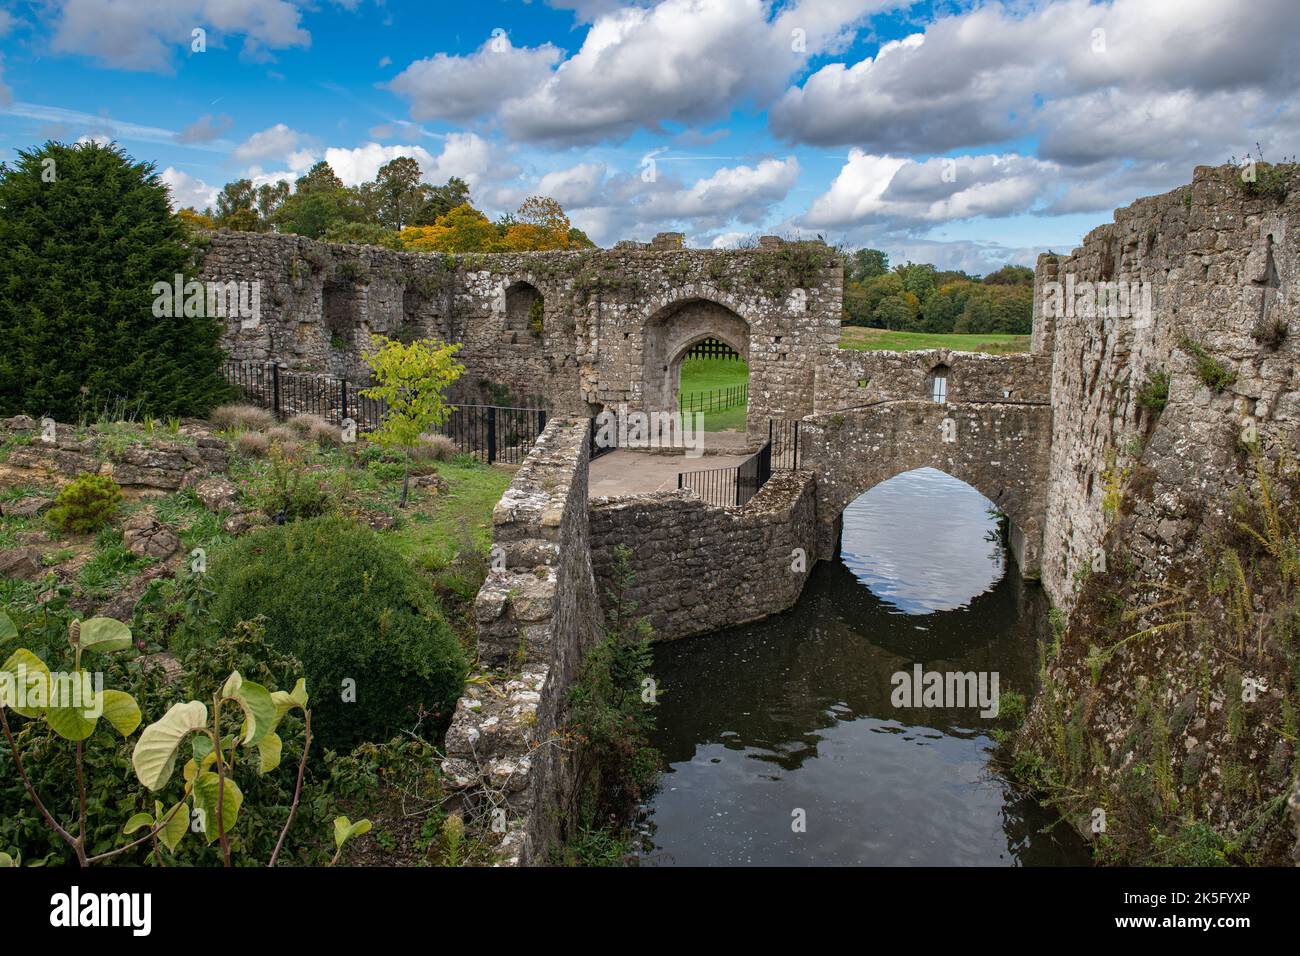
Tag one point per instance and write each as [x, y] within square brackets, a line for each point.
[793, 716]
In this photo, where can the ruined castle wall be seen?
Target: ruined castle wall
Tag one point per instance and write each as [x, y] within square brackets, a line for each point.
[1141, 519]
[1223, 268]
[698, 568]
[537, 616]
[614, 323]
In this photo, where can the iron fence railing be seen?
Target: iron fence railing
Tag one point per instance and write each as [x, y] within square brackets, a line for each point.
[493, 432]
[783, 436]
[714, 400]
[734, 486]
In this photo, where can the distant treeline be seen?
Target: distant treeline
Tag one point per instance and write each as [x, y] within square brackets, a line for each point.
[917, 297]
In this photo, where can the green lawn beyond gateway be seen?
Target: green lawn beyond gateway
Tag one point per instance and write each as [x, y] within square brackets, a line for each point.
[857, 337]
[702, 375]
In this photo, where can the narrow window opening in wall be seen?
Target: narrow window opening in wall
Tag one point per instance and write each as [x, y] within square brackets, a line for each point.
[863, 382]
[341, 308]
[777, 339]
[525, 311]
[939, 385]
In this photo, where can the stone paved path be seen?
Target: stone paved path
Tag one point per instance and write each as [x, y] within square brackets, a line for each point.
[629, 472]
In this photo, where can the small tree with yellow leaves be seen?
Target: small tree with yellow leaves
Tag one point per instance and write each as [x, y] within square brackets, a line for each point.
[412, 380]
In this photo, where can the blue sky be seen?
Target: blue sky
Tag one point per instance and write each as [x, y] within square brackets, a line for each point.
[964, 134]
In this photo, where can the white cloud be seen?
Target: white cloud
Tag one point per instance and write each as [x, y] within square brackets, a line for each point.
[188, 191]
[684, 61]
[359, 165]
[148, 34]
[574, 187]
[609, 205]
[905, 192]
[277, 140]
[466, 155]
[1166, 75]
[6, 94]
[744, 193]
[465, 87]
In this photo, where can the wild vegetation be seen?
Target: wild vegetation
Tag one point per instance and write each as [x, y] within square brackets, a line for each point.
[1225, 625]
[315, 594]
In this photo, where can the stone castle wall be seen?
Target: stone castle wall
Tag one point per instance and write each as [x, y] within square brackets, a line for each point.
[1140, 516]
[614, 323]
[698, 568]
[537, 616]
[1223, 267]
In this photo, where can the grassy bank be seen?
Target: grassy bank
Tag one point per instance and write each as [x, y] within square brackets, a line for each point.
[857, 337]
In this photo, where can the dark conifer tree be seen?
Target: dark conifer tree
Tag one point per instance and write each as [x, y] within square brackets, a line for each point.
[85, 233]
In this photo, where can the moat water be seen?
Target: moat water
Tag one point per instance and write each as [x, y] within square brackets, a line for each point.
[791, 720]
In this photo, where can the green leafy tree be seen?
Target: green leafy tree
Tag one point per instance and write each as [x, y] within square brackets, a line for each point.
[1011, 275]
[85, 233]
[866, 264]
[399, 191]
[319, 202]
[270, 197]
[236, 198]
[440, 200]
[918, 279]
[412, 380]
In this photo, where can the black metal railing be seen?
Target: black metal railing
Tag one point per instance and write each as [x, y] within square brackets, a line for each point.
[599, 443]
[714, 400]
[734, 486]
[783, 436]
[493, 432]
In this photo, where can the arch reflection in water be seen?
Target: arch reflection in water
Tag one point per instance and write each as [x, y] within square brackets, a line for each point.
[794, 713]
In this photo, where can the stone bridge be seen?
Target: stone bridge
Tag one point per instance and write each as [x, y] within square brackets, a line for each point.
[589, 330]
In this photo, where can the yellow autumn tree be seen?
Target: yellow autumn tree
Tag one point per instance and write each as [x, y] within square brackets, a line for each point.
[463, 229]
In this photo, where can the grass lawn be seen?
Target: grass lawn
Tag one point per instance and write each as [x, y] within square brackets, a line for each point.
[435, 526]
[857, 337]
[701, 375]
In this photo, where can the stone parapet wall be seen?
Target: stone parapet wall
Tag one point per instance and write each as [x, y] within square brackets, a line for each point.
[850, 378]
[537, 616]
[698, 568]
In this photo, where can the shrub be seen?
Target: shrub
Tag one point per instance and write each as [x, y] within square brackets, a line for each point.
[252, 444]
[287, 490]
[240, 416]
[316, 429]
[346, 604]
[435, 448]
[281, 435]
[86, 504]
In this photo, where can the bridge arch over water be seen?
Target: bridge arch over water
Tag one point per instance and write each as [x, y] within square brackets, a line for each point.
[999, 449]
